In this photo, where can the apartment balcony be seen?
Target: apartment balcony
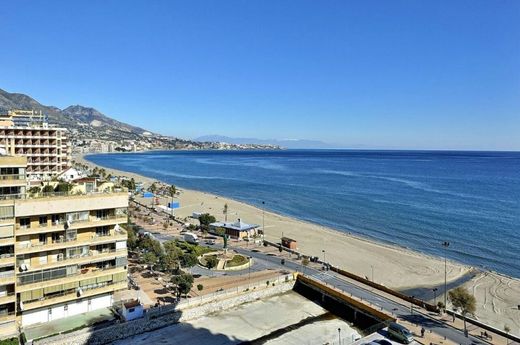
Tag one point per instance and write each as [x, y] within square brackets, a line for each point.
[6, 241]
[7, 277]
[11, 316]
[92, 257]
[12, 180]
[65, 297]
[27, 248]
[10, 297]
[6, 259]
[80, 224]
[80, 275]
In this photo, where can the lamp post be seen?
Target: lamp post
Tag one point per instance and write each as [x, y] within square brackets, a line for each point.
[263, 217]
[372, 266]
[323, 251]
[249, 273]
[435, 296]
[445, 244]
[339, 336]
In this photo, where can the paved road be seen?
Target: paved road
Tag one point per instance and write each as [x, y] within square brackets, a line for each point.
[399, 310]
[263, 261]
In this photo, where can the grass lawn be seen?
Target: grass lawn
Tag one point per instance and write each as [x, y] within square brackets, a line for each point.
[238, 260]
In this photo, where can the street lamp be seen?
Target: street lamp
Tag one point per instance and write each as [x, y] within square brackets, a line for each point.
[435, 296]
[323, 251]
[249, 273]
[372, 266]
[263, 217]
[445, 244]
[339, 336]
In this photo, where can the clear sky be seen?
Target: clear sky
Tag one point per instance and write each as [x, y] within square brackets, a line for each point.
[392, 74]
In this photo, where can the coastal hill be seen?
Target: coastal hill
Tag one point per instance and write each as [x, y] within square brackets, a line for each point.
[87, 124]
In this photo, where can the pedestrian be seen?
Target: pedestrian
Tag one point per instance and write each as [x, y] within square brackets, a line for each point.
[422, 332]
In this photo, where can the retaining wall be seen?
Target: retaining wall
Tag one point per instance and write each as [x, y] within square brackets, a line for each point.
[161, 317]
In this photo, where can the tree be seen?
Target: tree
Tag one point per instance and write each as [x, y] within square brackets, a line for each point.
[172, 190]
[48, 189]
[200, 287]
[170, 259]
[132, 239]
[153, 188]
[189, 260]
[225, 211]
[149, 258]
[64, 187]
[211, 261]
[184, 282]
[462, 300]
[206, 219]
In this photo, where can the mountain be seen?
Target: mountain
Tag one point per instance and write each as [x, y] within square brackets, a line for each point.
[286, 143]
[87, 124]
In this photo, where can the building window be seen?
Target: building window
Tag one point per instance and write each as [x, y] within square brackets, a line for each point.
[42, 238]
[25, 223]
[71, 235]
[43, 221]
[102, 231]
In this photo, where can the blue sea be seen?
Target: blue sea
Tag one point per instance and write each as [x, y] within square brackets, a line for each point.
[415, 199]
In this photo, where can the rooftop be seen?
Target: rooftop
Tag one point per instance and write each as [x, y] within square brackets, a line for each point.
[238, 225]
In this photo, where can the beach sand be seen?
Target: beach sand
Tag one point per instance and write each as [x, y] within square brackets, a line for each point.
[394, 266]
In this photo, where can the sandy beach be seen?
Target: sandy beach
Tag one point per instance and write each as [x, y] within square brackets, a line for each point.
[393, 266]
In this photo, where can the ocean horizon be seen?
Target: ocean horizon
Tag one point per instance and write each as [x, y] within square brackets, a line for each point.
[414, 199]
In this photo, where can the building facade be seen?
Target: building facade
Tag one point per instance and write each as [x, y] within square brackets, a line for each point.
[59, 255]
[47, 148]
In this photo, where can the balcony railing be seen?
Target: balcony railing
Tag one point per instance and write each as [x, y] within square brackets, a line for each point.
[6, 274]
[72, 294]
[6, 255]
[57, 242]
[12, 177]
[51, 274]
[61, 222]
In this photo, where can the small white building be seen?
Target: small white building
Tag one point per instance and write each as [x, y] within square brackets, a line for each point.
[132, 310]
[70, 175]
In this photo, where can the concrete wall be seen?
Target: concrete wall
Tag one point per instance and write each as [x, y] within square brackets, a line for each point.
[161, 317]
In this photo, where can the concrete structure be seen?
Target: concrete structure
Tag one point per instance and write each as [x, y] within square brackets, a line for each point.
[47, 148]
[289, 243]
[132, 310]
[236, 230]
[61, 254]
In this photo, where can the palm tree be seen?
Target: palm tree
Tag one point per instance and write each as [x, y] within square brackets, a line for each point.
[225, 211]
[172, 190]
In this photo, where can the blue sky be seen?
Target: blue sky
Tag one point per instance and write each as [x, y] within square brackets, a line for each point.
[390, 74]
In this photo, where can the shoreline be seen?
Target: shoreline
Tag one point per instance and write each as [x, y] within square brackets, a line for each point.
[395, 266]
[356, 236]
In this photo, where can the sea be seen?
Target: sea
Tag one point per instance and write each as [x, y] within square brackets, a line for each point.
[413, 199]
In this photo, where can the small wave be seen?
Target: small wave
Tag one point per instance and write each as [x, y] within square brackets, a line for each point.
[198, 177]
[250, 163]
[410, 183]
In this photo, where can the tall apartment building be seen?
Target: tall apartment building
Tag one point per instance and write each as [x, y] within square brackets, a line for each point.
[59, 255]
[46, 147]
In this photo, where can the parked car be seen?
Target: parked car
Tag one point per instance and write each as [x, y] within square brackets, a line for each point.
[400, 333]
